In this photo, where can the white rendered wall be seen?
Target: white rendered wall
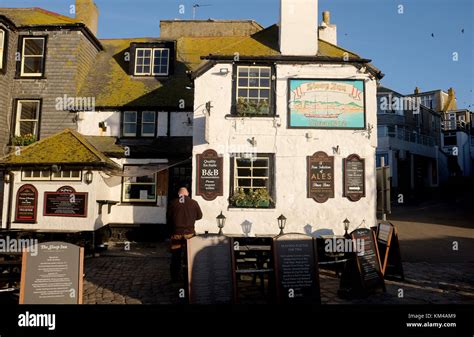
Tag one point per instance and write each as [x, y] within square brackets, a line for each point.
[291, 147]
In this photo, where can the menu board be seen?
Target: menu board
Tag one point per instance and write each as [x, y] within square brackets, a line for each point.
[210, 270]
[26, 204]
[389, 248]
[296, 269]
[320, 177]
[65, 202]
[354, 177]
[368, 259]
[209, 175]
[52, 274]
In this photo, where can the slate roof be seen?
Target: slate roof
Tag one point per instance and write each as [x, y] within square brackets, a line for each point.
[35, 16]
[67, 147]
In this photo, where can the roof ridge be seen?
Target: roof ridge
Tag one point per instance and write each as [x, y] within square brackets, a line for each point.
[73, 20]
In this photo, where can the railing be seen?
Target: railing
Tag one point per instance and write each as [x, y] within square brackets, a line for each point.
[454, 125]
[402, 134]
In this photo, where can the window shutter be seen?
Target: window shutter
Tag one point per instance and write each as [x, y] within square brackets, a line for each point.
[162, 180]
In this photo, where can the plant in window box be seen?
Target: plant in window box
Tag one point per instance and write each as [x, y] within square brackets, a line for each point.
[261, 198]
[252, 107]
[240, 198]
[24, 140]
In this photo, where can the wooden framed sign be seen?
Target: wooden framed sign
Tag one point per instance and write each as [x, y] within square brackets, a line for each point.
[26, 204]
[296, 269]
[210, 270]
[389, 247]
[52, 273]
[320, 177]
[368, 259]
[354, 177]
[209, 175]
[65, 202]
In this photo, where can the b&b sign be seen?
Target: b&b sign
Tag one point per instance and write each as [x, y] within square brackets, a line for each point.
[209, 175]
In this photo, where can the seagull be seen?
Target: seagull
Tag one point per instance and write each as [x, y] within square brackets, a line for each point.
[462, 30]
[432, 35]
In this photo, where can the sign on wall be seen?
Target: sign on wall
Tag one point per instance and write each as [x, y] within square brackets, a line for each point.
[65, 202]
[320, 177]
[52, 273]
[354, 177]
[26, 204]
[209, 175]
[326, 104]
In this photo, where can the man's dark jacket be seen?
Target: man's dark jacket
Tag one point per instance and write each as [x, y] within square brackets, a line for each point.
[182, 215]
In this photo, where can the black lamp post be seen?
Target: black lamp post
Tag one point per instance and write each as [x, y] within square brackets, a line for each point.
[220, 222]
[346, 226]
[281, 223]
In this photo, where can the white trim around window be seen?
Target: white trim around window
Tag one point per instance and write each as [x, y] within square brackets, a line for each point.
[70, 175]
[139, 189]
[27, 117]
[33, 175]
[130, 123]
[32, 56]
[152, 61]
[148, 123]
[2, 46]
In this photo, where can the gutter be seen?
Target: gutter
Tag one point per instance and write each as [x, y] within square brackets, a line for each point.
[287, 59]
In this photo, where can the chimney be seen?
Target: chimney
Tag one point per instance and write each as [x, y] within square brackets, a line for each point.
[87, 13]
[299, 27]
[328, 32]
[417, 91]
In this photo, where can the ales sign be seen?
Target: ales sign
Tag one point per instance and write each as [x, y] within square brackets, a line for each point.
[209, 175]
[320, 177]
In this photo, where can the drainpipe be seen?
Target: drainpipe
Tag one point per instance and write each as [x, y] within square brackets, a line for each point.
[10, 199]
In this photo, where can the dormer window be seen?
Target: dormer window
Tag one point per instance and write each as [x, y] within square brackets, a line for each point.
[152, 61]
[2, 47]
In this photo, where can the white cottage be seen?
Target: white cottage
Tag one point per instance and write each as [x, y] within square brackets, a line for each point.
[285, 123]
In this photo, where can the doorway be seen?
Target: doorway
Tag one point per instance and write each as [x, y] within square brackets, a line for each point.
[179, 176]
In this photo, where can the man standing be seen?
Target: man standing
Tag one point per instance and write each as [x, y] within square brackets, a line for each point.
[182, 214]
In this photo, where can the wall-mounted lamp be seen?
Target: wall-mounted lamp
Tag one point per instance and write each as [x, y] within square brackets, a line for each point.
[103, 126]
[88, 177]
[346, 223]
[253, 141]
[7, 177]
[281, 223]
[220, 222]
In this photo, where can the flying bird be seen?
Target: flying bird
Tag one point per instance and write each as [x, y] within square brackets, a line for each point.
[462, 30]
[432, 35]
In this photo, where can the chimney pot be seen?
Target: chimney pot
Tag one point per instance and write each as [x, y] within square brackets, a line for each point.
[327, 18]
[417, 90]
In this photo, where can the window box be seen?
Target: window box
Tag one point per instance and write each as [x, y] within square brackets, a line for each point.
[24, 140]
[27, 120]
[252, 198]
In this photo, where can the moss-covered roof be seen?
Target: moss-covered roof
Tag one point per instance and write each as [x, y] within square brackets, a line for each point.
[107, 145]
[64, 148]
[35, 17]
[111, 84]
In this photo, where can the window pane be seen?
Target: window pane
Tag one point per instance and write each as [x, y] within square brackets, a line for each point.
[243, 93]
[264, 82]
[27, 174]
[33, 65]
[253, 72]
[241, 162]
[260, 173]
[33, 47]
[130, 128]
[244, 182]
[243, 72]
[75, 174]
[260, 162]
[28, 110]
[243, 172]
[264, 93]
[253, 93]
[148, 129]
[140, 192]
[253, 82]
[148, 117]
[27, 128]
[265, 72]
[130, 117]
[259, 183]
[36, 174]
[146, 179]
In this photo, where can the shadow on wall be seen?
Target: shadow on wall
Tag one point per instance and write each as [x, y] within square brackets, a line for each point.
[308, 229]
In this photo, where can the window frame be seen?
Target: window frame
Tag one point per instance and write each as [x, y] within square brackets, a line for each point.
[139, 201]
[17, 117]
[68, 178]
[3, 49]
[271, 178]
[152, 61]
[272, 89]
[142, 133]
[124, 134]
[50, 176]
[24, 178]
[21, 64]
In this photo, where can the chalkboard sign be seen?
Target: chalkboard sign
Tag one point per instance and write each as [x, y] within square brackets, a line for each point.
[52, 273]
[209, 175]
[320, 177]
[210, 271]
[296, 269]
[354, 177]
[367, 259]
[65, 202]
[26, 204]
[389, 248]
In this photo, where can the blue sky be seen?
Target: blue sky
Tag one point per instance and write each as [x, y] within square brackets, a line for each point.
[400, 45]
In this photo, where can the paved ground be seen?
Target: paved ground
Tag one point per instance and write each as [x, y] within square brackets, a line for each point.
[140, 275]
